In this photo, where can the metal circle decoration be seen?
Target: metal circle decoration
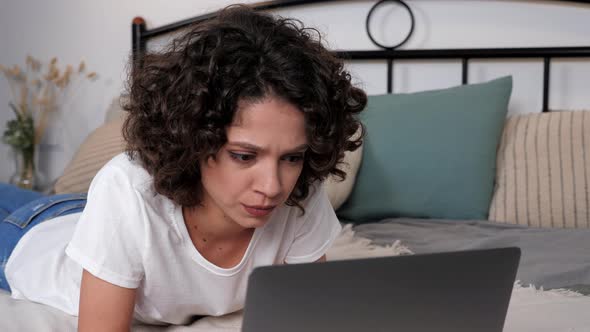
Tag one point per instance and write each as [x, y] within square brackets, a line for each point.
[403, 4]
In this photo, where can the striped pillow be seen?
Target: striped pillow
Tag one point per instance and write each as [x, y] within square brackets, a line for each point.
[98, 148]
[543, 171]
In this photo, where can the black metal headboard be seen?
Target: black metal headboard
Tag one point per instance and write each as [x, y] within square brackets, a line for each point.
[140, 36]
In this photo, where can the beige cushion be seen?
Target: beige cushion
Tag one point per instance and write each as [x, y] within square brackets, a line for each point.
[543, 171]
[98, 148]
[115, 110]
[338, 191]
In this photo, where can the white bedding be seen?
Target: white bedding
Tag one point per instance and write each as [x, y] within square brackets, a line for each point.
[530, 310]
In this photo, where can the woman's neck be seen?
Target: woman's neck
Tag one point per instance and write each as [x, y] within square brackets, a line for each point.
[212, 224]
[219, 240]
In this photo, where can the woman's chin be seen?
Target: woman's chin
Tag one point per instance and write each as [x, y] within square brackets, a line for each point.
[248, 221]
[251, 222]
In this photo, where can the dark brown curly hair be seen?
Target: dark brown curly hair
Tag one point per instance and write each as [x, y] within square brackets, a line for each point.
[182, 100]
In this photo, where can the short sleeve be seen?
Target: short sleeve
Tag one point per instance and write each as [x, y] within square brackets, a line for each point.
[106, 241]
[318, 231]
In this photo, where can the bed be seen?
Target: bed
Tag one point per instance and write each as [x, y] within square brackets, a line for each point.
[451, 168]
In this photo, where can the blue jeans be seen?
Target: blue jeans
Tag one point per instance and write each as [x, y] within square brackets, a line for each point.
[21, 210]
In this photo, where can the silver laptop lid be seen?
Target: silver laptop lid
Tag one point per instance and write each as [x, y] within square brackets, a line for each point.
[452, 291]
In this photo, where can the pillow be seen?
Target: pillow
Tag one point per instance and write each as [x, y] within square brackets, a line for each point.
[338, 191]
[98, 148]
[430, 154]
[115, 110]
[543, 171]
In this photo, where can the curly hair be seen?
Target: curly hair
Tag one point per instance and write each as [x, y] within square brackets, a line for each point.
[182, 99]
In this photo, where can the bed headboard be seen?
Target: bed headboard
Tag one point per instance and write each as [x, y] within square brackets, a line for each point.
[389, 53]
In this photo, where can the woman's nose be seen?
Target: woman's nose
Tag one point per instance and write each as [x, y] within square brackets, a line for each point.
[268, 181]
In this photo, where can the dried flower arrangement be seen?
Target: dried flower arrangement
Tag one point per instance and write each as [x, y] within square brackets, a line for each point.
[34, 95]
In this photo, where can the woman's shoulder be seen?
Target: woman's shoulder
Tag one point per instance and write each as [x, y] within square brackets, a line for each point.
[122, 188]
[317, 195]
[124, 162]
[122, 170]
[315, 200]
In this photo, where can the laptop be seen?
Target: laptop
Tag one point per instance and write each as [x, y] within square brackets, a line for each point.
[462, 291]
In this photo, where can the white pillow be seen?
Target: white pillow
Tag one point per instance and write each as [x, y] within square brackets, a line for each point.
[338, 191]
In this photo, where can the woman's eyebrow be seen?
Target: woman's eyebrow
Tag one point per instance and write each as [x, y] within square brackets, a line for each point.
[250, 146]
[299, 148]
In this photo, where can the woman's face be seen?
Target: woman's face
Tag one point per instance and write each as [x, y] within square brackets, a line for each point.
[258, 167]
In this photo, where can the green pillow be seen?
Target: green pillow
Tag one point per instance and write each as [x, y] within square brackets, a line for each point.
[430, 154]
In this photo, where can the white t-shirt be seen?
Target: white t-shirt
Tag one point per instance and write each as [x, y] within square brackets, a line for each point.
[132, 237]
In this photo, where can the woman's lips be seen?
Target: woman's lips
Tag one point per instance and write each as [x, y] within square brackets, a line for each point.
[258, 211]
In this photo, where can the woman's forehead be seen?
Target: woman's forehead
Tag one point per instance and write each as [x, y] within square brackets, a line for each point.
[267, 111]
[270, 121]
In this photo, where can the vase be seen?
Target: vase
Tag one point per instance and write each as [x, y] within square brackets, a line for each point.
[26, 175]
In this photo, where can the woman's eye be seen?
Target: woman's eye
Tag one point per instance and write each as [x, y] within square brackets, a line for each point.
[294, 158]
[241, 157]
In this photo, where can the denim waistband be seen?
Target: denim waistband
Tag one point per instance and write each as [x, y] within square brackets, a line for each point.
[47, 208]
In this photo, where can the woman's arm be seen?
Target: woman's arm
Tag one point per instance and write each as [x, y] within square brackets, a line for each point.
[104, 306]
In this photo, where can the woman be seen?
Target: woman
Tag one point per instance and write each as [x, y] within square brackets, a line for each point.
[229, 133]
